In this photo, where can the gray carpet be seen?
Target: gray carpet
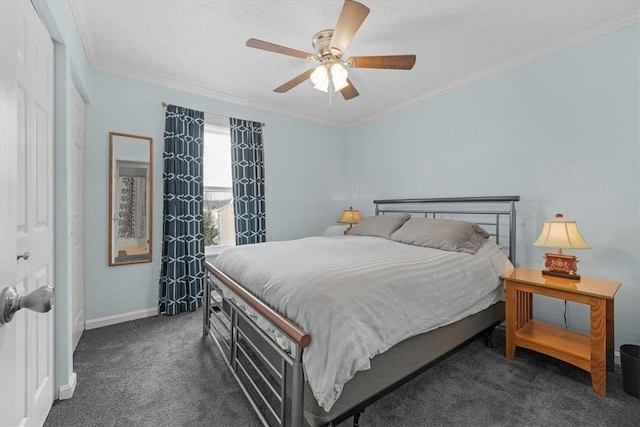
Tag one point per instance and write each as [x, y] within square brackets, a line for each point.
[159, 371]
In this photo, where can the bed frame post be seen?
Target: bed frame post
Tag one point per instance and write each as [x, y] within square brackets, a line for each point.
[356, 418]
[297, 390]
[512, 232]
[206, 305]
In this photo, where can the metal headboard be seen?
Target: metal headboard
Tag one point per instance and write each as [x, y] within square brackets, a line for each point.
[485, 211]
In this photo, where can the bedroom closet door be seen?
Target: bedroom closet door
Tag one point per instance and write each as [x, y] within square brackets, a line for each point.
[77, 227]
[26, 211]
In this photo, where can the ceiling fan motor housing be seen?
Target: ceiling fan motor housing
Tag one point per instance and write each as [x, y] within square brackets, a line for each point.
[321, 44]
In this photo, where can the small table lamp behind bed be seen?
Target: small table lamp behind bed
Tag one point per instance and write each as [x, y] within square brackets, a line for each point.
[350, 216]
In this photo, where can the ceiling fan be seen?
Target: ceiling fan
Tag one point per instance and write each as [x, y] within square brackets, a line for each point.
[329, 46]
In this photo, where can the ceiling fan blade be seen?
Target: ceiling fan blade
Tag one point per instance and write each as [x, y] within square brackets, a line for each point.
[351, 17]
[271, 47]
[349, 92]
[294, 82]
[392, 62]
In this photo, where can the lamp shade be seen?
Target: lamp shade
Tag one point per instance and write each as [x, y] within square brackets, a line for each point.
[320, 78]
[325, 73]
[560, 234]
[350, 216]
[339, 77]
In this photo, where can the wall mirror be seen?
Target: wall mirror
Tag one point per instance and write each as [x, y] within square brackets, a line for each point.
[130, 196]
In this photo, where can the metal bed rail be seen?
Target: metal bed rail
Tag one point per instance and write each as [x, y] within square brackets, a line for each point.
[271, 378]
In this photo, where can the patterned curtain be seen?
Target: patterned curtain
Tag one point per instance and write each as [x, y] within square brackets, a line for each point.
[182, 275]
[247, 166]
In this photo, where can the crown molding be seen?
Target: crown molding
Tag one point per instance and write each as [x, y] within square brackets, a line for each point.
[579, 38]
[210, 93]
[85, 34]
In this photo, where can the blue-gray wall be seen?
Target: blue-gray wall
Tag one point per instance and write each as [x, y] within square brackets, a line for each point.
[562, 132]
[303, 178]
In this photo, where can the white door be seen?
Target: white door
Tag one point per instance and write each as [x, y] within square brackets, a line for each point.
[26, 211]
[77, 227]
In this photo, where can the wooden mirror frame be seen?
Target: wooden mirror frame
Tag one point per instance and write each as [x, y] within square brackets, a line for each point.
[124, 156]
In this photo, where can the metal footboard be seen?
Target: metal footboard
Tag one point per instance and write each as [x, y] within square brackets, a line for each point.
[270, 376]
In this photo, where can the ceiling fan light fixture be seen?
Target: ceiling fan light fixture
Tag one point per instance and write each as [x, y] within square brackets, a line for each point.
[329, 46]
[320, 78]
[339, 77]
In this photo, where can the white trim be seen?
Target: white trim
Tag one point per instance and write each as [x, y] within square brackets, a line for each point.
[66, 391]
[213, 94]
[616, 359]
[119, 318]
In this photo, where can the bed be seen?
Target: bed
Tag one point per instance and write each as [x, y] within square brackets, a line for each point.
[379, 306]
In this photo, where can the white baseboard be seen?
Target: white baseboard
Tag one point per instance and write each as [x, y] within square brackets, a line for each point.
[66, 391]
[119, 318]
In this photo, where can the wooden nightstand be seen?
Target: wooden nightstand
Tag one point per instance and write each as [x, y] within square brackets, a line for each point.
[594, 352]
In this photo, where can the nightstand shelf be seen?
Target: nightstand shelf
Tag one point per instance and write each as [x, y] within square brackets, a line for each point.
[564, 344]
[592, 352]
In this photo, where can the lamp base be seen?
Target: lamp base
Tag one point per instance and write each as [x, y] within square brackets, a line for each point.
[348, 229]
[561, 265]
[563, 275]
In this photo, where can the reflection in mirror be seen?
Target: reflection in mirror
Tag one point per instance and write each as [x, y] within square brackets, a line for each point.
[130, 196]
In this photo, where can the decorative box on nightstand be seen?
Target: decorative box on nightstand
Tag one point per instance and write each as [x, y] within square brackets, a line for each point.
[593, 352]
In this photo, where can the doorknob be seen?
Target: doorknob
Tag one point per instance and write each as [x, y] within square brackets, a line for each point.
[40, 300]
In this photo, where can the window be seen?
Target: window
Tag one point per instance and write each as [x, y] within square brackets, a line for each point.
[219, 221]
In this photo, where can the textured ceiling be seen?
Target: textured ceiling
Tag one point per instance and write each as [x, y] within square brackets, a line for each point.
[199, 46]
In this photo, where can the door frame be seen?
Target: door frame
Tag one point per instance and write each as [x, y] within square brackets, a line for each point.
[71, 67]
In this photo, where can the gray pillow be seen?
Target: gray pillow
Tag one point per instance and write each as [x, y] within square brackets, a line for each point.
[379, 225]
[446, 234]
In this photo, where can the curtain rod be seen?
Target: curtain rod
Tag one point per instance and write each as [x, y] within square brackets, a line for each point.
[164, 104]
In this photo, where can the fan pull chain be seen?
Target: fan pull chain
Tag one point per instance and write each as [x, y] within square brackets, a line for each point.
[330, 91]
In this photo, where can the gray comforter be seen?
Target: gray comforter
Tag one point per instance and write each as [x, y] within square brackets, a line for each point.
[357, 296]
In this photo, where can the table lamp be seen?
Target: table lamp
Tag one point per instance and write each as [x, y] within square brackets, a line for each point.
[350, 216]
[561, 234]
